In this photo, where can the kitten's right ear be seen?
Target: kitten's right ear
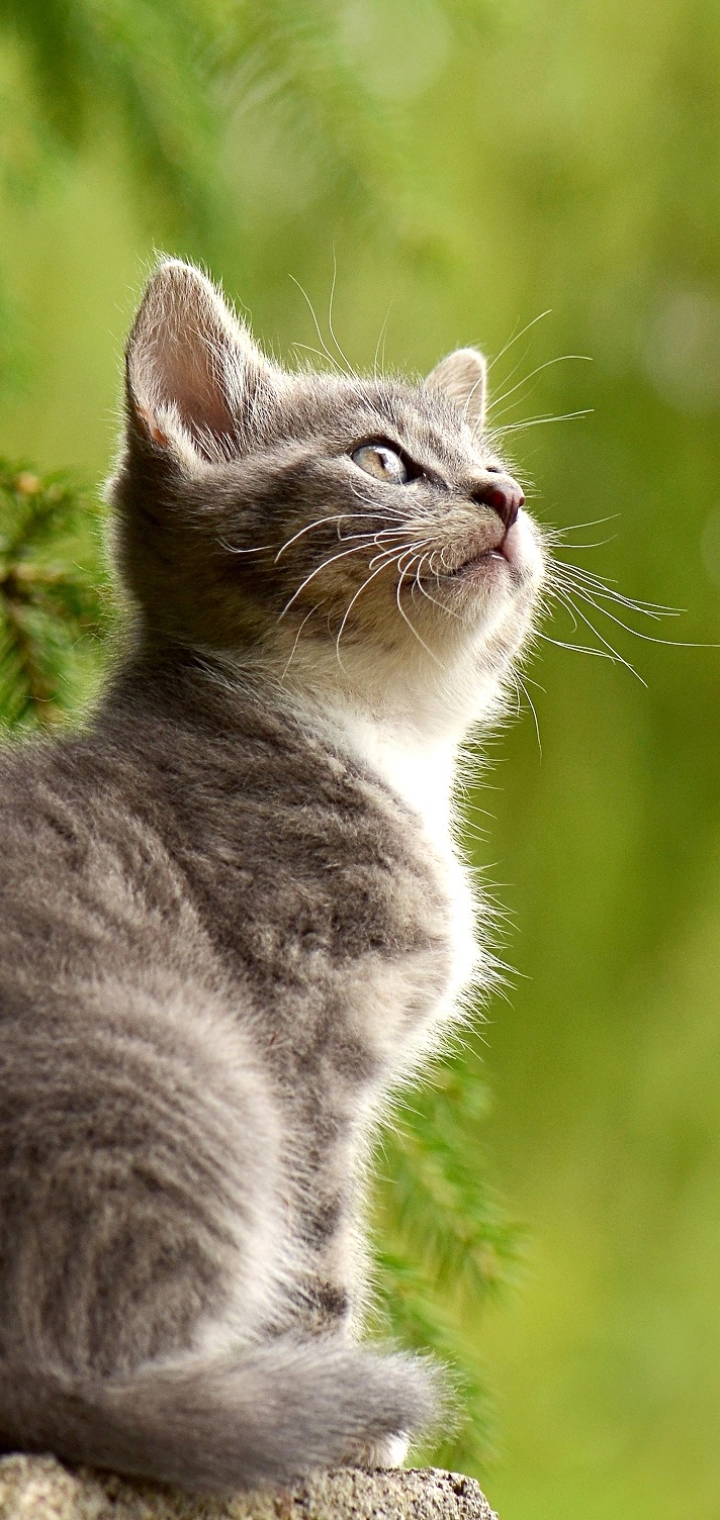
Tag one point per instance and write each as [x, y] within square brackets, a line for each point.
[463, 377]
[194, 373]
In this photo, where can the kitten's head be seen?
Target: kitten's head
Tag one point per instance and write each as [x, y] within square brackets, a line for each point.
[354, 536]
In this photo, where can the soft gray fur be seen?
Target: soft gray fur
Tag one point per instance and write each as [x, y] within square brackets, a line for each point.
[232, 917]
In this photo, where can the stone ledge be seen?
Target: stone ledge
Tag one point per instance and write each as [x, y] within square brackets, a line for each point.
[35, 1487]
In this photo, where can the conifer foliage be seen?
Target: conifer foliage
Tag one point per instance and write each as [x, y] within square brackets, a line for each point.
[53, 602]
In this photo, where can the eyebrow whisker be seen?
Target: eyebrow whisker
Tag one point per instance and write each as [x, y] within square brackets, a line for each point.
[516, 336]
[560, 359]
[328, 355]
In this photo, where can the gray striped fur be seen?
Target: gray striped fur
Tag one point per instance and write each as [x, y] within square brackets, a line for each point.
[227, 930]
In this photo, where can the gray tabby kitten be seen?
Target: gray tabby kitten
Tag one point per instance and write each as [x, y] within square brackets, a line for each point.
[232, 914]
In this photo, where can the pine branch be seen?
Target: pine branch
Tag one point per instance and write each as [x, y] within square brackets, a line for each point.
[54, 597]
[448, 1244]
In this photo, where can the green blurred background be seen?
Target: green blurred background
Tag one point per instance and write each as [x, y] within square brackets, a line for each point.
[467, 166]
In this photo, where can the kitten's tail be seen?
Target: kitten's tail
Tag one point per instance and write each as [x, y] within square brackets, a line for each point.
[274, 1413]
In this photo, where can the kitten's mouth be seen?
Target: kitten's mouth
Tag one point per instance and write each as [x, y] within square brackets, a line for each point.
[505, 550]
[467, 566]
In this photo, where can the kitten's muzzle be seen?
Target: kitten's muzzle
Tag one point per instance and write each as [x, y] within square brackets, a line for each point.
[502, 494]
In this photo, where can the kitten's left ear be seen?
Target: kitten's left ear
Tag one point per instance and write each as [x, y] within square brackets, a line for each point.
[193, 373]
[463, 377]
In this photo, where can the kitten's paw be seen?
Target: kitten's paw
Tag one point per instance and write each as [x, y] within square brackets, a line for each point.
[387, 1451]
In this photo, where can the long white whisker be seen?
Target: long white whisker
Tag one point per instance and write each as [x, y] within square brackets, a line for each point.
[396, 550]
[406, 619]
[561, 359]
[564, 601]
[533, 710]
[343, 356]
[517, 365]
[608, 589]
[418, 582]
[551, 537]
[579, 579]
[595, 522]
[387, 562]
[320, 522]
[515, 427]
[308, 578]
[234, 549]
[620, 658]
[600, 654]
[310, 349]
[516, 336]
[368, 501]
[321, 340]
[307, 616]
[648, 638]
[381, 342]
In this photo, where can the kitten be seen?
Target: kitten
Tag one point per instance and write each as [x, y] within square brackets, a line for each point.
[232, 915]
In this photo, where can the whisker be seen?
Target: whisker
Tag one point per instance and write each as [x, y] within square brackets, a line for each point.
[234, 549]
[561, 359]
[418, 582]
[363, 546]
[517, 695]
[515, 427]
[550, 537]
[343, 356]
[517, 365]
[358, 593]
[321, 340]
[516, 336]
[614, 652]
[368, 501]
[581, 579]
[396, 550]
[319, 353]
[567, 604]
[608, 586]
[521, 684]
[306, 618]
[320, 522]
[600, 654]
[648, 638]
[480, 422]
[595, 522]
[381, 343]
[308, 578]
[405, 617]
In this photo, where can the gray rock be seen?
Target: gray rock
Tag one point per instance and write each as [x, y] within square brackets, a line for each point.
[41, 1488]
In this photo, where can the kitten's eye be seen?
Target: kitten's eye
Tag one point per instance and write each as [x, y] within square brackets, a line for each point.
[380, 460]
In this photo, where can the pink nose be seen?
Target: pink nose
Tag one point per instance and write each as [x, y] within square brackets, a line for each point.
[503, 494]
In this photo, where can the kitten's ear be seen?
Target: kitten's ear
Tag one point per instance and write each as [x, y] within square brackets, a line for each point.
[463, 377]
[193, 372]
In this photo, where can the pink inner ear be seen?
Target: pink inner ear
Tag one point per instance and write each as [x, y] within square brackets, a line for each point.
[193, 371]
[189, 370]
[188, 355]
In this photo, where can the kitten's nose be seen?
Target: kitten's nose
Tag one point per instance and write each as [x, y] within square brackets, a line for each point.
[503, 494]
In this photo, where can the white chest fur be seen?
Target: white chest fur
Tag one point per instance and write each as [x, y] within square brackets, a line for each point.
[422, 774]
